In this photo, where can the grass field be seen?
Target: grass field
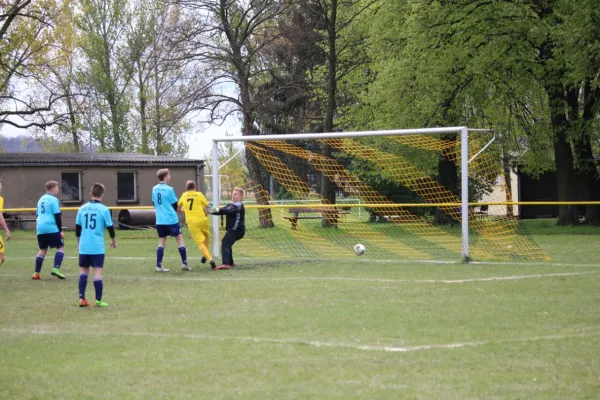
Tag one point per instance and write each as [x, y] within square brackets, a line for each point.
[355, 328]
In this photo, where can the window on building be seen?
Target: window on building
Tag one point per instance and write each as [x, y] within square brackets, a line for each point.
[70, 187]
[127, 186]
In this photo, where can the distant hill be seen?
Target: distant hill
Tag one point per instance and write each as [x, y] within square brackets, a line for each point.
[14, 144]
[20, 144]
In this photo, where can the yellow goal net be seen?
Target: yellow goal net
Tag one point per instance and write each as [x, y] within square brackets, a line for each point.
[403, 194]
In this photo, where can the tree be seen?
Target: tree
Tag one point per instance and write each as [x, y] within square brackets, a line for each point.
[64, 78]
[485, 61]
[341, 49]
[27, 37]
[103, 25]
[230, 36]
[169, 84]
[577, 42]
[293, 60]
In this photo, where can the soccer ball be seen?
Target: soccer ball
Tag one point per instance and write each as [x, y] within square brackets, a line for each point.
[360, 249]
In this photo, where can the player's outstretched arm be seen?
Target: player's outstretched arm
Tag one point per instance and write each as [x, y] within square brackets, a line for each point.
[228, 209]
[4, 226]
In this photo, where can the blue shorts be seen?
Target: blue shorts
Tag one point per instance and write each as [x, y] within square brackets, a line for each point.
[52, 240]
[91, 260]
[168, 230]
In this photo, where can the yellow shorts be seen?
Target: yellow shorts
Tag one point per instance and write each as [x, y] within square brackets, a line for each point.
[199, 230]
[1, 246]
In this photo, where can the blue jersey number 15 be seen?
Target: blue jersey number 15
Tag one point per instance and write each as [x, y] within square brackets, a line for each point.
[90, 221]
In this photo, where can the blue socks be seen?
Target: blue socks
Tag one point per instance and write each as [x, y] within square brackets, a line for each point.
[98, 285]
[58, 258]
[160, 252]
[183, 254]
[83, 278]
[39, 260]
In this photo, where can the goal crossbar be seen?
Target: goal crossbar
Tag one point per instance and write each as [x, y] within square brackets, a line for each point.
[340, 135]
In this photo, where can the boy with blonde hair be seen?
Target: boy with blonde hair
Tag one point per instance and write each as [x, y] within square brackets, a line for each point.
[195, 207]
[48, 226]
[235, 225]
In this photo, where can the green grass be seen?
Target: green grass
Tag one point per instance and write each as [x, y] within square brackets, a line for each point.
[356, 328]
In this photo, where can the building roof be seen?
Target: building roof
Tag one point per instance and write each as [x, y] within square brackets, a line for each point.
[95, 159]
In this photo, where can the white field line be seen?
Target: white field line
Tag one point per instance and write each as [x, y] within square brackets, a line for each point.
[192, 278]
[477, 263]
[354, 346]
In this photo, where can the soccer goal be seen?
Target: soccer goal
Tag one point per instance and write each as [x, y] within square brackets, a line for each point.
[426, 194]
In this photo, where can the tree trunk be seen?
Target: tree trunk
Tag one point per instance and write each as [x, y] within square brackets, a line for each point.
[143, 116]
[255, 168]
[586, 165]
[563, 155]
[116, 123]
[157, 111]
[112, 98]
[256, 171]
[507, 182]
[73, 123]
[328, 188]
[448, 178]
[258, 176]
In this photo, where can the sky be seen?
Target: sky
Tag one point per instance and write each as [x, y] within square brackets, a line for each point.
[200, 143]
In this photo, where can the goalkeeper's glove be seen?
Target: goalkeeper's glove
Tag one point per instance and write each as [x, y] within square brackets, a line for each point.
[213, 210]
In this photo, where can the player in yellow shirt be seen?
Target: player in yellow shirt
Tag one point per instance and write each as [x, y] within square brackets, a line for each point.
[195, 207]
[4, 226]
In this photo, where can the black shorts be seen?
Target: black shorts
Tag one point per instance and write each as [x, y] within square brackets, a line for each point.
[168, 230]
[52, 240]
[91, 260]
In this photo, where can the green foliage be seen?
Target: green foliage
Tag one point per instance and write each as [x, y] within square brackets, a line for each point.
[228, 153]
[102, 25]
[283, 194]
[463, 63]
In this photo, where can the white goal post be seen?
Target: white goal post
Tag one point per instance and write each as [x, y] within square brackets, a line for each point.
[464, 136]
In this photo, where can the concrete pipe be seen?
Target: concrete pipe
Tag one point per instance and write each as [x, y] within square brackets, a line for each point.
[136, 218]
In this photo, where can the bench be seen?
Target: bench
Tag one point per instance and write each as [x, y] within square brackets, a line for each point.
[330, 214]
[482, 211]
[18, 220]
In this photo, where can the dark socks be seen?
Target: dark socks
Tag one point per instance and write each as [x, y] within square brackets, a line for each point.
[58, 258]
[160, 252]
[83, 278]
[183, 254]
[39, 260]
[98, 285]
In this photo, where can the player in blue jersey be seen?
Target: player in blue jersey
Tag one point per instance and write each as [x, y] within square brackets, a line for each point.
[167, 222]
[49, 230]
[92, 219]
